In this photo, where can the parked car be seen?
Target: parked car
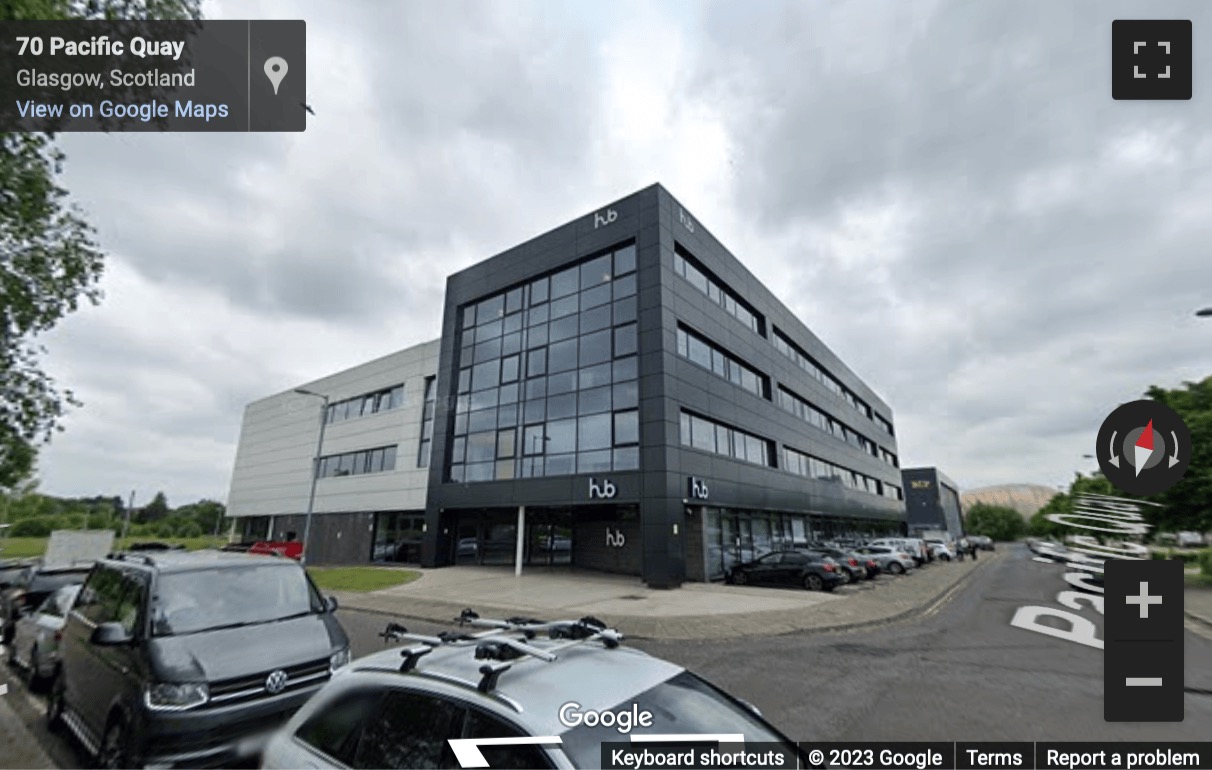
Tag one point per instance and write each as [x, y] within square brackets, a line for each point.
[941, 549]
[175, 658]
[853, 564]
[400, 707]
[912, 546]
[982, 542]
[12, 570]
[810, 569]
[1190, 539]
[35, 644]
[31, 589]
[891, 560]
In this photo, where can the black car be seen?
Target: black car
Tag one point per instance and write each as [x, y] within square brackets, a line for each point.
[175, 658]
[30, 589]
[809, 569]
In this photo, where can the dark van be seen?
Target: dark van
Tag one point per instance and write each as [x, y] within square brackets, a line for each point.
[176, 658]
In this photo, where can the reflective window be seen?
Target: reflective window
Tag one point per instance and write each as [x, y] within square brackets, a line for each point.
[557, 376]
[561, 436]
[721, 363]
[626, 428]
[595, 348]
[685, 266]
[594, 432]
[710, 436]
[357, 463]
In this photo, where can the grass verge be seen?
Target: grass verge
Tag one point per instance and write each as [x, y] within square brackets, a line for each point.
[28, 547]
[360, 578]
[1198, 579]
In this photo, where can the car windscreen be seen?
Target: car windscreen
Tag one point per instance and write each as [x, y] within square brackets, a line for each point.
[47, 582]
[680, 705]
[203, 600]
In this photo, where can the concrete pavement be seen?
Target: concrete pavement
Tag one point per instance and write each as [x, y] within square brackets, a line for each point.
[17, 746]
[694, 611]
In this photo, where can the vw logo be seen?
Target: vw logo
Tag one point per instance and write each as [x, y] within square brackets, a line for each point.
[275, 682]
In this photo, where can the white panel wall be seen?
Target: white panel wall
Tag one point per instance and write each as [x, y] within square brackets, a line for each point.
[272, 473]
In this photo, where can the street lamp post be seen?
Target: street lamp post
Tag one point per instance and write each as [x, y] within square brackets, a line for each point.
[315, 469]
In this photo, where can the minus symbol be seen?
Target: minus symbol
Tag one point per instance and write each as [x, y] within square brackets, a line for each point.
[1143, 681]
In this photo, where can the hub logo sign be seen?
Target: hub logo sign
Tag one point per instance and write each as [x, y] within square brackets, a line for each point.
[698, 488]
[615, 538]
[601, 219]
[603, 490]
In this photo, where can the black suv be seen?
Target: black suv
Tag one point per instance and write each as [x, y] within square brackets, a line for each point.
[178, 658]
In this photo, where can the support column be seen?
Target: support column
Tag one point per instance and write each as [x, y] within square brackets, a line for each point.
[517, 558]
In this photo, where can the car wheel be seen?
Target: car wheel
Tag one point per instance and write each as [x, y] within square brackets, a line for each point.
[945, 557]
[54, 701]
[813, 582]
[739, 578]
[896, 568]
[112, 753]
[12, 656]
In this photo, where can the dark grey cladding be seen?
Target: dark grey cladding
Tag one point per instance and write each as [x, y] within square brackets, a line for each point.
[653, 385]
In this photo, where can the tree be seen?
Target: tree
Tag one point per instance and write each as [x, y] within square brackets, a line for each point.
[995, 521]
[49, 261]
[156, 510]
[1188, 504]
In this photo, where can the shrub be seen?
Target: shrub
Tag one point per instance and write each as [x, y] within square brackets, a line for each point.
[34, 526]
[1205, 562]
[189, 529]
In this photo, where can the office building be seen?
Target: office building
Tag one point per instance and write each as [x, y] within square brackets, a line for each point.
[622, 394]
[932, 501]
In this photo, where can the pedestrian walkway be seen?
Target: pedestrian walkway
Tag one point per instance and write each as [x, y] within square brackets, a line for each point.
[18, 747]
[694, 611]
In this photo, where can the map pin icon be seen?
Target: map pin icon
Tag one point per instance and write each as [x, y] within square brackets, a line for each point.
[275, 70]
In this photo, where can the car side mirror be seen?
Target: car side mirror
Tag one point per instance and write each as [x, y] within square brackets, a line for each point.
[110, 635]
[330, 603]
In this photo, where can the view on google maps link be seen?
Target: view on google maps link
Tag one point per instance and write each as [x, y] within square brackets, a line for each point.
[453, 384]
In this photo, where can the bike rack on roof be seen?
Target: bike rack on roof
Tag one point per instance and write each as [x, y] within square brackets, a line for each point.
[493, 645]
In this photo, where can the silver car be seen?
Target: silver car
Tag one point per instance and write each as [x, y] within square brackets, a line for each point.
[892, 560]
[35, 643]
[569, 686]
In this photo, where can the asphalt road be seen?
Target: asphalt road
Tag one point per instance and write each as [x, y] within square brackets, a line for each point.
[960, 672]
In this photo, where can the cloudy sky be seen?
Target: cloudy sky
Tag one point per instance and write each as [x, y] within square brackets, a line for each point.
[943, 190]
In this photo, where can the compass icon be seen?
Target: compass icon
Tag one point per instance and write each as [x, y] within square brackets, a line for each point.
[1143, 447]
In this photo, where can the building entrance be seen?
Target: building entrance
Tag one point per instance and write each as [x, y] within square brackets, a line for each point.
[489, 537]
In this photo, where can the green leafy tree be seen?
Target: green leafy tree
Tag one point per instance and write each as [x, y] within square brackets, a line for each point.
[1188, 504]
[995, 521]
[49, 260]
[156, 510]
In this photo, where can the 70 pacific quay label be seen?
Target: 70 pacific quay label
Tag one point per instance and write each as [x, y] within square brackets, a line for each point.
[153, 76]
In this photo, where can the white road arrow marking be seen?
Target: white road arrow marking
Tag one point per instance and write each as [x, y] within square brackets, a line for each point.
[1174, 457]
[467, 750]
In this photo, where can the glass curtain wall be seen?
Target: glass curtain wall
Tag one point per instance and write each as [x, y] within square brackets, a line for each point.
[547, 376]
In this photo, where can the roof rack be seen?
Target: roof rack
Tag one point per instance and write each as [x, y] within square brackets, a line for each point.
[501, 651]
[133, 556]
